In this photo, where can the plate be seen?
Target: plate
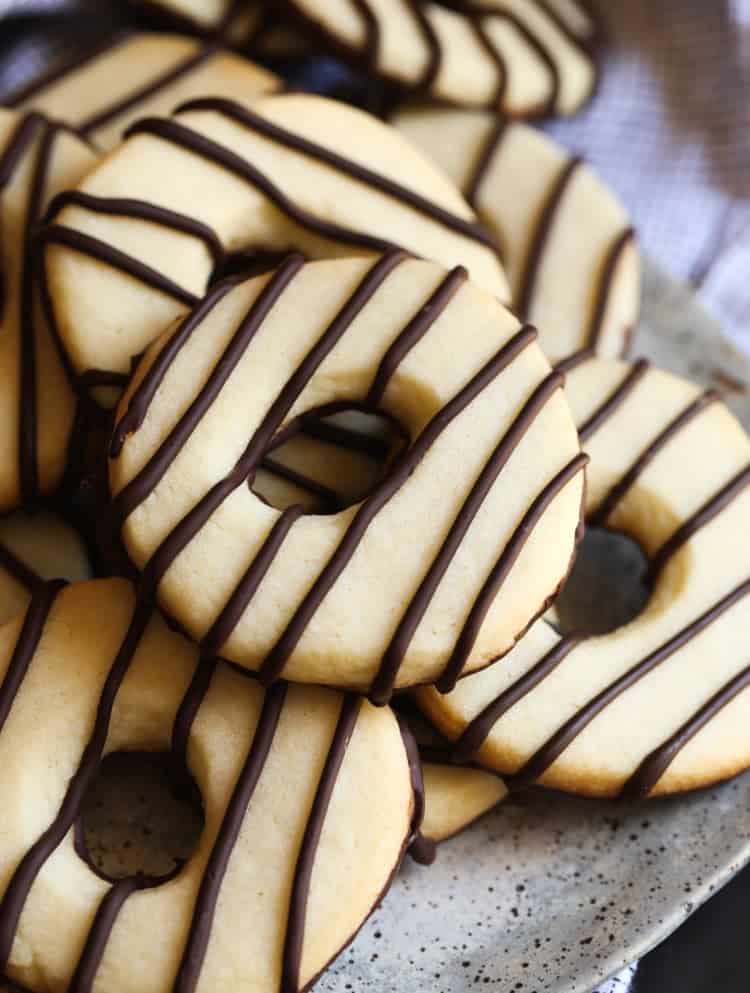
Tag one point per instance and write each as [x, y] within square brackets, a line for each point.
[553, 894]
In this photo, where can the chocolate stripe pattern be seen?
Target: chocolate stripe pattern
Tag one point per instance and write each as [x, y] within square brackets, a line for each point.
[194, 521]
[652, 768]
[479, 19]
[615, 400]
[275, 662]
[319, 153]
[14, 898]
[205, 906]
[547, 754]
[394, 654]
[552, 211]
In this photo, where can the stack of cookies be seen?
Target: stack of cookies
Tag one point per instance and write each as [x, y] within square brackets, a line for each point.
[324, 402]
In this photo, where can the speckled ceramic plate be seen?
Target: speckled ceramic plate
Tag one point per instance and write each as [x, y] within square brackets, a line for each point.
[554, 895]
[548, 894]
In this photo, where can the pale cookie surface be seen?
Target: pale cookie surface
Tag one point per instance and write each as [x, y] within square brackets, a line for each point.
[524, 57]
[488, 491]
[35, 548]
[141, 74]
[219, 177]
[37, 160]
[659, 705]
[566, 241]
[255, 909]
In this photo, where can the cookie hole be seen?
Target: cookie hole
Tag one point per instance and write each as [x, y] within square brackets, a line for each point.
[327, 463]
[607, 587]
[138, 819]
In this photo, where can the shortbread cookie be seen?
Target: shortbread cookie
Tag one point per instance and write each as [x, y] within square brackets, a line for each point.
[256, 909]
[104, 92]
[35, 548]
[526, 58]
[135, 247]
[659, 705]
[567, 244]
[452, 555]
[37, 405]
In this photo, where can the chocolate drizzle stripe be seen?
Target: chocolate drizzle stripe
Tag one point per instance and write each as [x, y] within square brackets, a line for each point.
[653, 767]
[14, 898]
[192, 141]
[548, 753]
[370, 49]
[603, 413]
[276, 660]
[360, 173]
[415, 330]
[620, 489]
[540, 236]
[343, 437]
[101, 251]
[432, 44]
[606, 282]
[571, 362]
[502, 569]
[101, 929]
[145, 481]
[479, 729]
[489, 148]
[582, 43]
[19, 570]
[145, 92]
[707, 513]
[31, 632]
[238, 602]
[188, 710]
[140, 210]
[201, 924]
[329, 499]
[191, 524]
[143, 394]
[295, 934]
[394, 654]
[421, 849]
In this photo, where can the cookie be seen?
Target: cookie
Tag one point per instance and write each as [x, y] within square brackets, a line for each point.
[37, 405]
[108, 89]
[570, 253]
[455, 796]
[659, 705]
[35, 548]
[135, 246]
[526, 58]
[255, 908]
[323, 599]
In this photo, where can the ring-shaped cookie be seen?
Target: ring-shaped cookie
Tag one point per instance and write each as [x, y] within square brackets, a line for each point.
[659, 705]
[524, 57]
[135, 246]
[38, 158]
[294, 853]
[438, 570]
[568, 248]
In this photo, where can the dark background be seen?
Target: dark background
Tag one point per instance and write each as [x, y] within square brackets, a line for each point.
[711, 952]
